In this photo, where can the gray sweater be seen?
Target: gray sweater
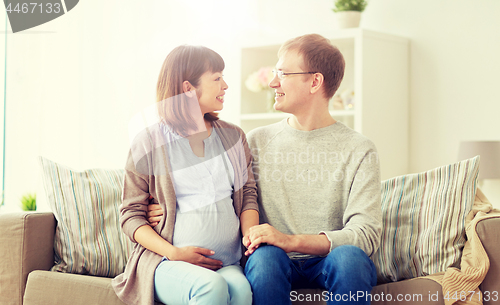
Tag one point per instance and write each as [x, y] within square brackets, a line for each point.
[325, 180]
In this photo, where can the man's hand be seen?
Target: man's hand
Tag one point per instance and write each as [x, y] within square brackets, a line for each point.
[266, 233]
[196, 256]
[154, 214]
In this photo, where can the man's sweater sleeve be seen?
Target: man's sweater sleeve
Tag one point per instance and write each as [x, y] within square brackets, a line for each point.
[362, 219]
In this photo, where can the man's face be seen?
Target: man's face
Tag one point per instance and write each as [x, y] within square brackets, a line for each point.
[292, 91]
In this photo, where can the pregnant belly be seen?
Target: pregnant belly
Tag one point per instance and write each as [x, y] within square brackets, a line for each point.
[215, 227]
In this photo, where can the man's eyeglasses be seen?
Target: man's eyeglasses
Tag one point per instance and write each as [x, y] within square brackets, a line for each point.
[281, 74]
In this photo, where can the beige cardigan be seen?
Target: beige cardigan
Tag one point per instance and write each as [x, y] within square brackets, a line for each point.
[147, 172]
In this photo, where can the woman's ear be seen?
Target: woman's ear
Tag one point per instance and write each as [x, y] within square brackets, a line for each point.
[188, 88]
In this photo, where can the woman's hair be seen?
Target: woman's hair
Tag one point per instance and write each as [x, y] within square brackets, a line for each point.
[321, 56]
[184, 63]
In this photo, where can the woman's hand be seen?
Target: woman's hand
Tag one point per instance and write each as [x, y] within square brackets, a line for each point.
[246, 241]
[149, 239]
[196, 256]
[248, 219]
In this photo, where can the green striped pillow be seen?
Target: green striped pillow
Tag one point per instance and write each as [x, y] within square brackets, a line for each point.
[88, 237]
[424, 221]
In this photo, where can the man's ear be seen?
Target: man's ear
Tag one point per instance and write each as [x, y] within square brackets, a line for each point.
[317, 82]
[188, 88]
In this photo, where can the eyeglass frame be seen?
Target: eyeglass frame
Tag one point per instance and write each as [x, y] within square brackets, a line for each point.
[283, 74]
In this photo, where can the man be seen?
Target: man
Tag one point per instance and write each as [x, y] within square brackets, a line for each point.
[318, 185]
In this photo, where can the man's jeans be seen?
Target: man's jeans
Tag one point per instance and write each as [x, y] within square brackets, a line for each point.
[346, 273]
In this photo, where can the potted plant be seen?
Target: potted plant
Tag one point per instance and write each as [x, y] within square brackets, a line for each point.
[28, 202]
[348, 12]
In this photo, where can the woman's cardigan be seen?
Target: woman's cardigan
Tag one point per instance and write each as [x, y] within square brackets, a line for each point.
[147, 172]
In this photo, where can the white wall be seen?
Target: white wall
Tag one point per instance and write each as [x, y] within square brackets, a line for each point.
[455, 68]
[74, 83]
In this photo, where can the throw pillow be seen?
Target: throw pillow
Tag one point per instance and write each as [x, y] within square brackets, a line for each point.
[88, 237]
[424, 221]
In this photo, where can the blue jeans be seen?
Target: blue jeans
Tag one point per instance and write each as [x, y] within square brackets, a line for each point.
[178, 282]
[346, 273]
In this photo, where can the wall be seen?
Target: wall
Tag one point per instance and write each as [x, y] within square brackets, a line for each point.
[454, 70]
[74, 83]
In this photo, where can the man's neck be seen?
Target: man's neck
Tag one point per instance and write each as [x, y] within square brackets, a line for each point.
[311, 120]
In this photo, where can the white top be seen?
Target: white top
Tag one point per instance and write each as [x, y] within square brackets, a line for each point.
[205, 214]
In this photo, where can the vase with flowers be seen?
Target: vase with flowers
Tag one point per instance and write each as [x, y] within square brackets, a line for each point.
[348, 12]
[259, 81]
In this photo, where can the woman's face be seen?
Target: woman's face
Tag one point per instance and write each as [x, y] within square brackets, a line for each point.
[211, 91]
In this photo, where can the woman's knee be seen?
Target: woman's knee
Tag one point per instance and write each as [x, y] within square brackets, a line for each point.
[180, 282]
[240, 291]
[239, 288]
[214, 284]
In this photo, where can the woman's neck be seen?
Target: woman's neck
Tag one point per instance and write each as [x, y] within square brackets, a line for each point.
[196, 140]
[208, 125]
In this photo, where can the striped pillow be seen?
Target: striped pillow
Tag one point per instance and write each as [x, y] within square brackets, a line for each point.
[88, 237]
[424, 221]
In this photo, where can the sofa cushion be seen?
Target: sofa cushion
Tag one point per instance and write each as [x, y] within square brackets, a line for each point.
[414, 291]
[88, 237]
[45, 287]
[408, 292]
[424, 221]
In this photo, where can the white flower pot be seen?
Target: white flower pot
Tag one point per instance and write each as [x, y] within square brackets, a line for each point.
[348, 19]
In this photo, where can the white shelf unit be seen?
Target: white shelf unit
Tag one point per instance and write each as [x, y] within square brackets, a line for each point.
[377, 69]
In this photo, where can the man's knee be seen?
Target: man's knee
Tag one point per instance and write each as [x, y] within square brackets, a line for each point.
[348, 258]
[267, 259]
[348, 268]
[265, 255]
[269, 271]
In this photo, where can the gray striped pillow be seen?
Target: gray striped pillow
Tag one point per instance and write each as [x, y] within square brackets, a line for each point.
[424, 221]
[88, 237]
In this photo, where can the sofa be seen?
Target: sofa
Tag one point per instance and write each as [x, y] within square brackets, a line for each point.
[430, 221]
[27, 255]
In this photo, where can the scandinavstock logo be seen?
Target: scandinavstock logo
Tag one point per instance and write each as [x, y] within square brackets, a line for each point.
[28, 14]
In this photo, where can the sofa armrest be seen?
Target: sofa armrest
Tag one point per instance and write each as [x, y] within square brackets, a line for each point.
[27, 244]
[489, 232]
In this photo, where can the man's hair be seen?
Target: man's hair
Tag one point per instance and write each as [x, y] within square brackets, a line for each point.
[319, 55]
[184, 63]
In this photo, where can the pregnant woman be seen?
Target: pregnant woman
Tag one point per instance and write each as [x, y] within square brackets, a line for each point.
[198, 169]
